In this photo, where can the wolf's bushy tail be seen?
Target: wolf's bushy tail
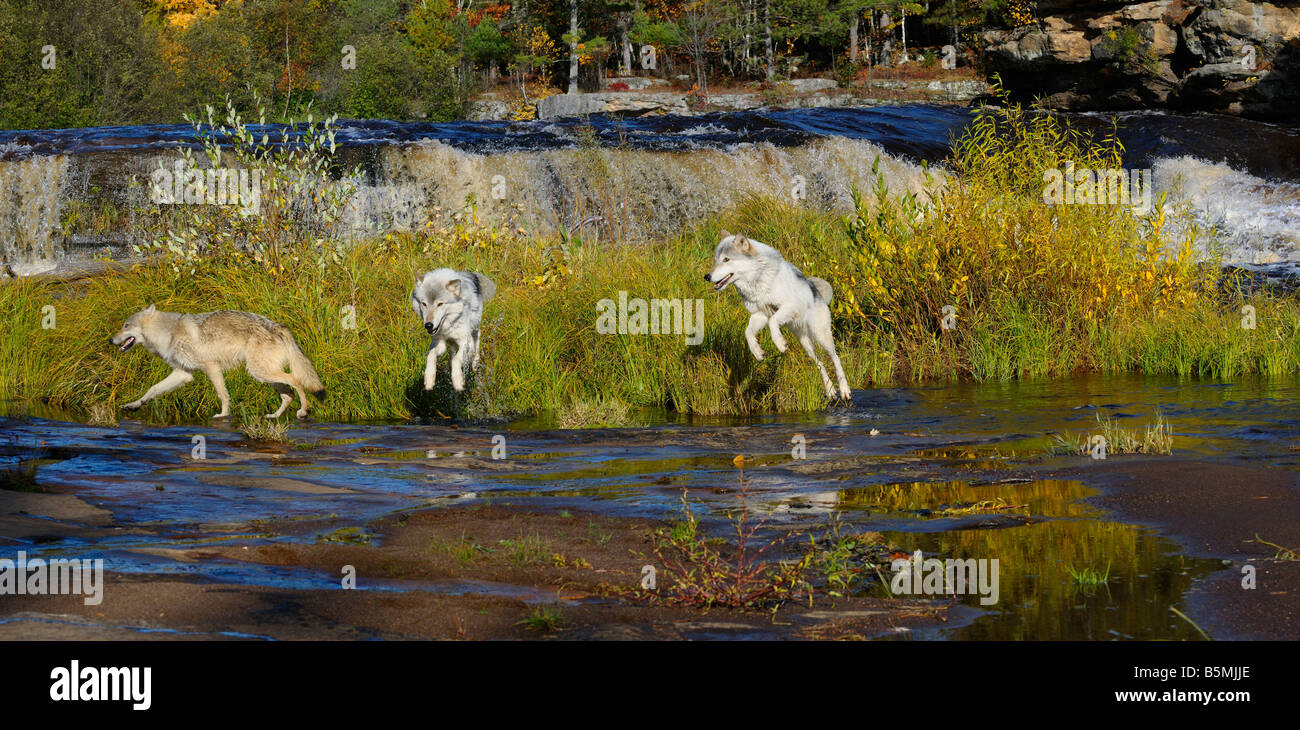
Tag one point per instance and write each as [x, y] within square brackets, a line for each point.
[301, 368]
[823, 288]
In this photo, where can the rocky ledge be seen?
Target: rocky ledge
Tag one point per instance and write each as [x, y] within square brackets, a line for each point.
[652, 96]
[1229, 56]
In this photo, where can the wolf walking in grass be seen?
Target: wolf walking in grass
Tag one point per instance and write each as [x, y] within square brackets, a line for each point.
[778, 295]
[215, 342]
[450, 306]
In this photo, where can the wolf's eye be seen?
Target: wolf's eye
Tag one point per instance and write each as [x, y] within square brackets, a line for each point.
[725, 260]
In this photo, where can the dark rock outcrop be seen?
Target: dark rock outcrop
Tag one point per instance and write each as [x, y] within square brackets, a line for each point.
[1230, 56]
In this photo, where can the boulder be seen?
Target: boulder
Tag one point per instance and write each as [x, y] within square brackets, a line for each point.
[1223, 55]
[611, 102]
[804, 86]
[484, 110]
[1029, 45]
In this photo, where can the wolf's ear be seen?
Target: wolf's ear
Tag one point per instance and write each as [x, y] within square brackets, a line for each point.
[453, 286]
[743, 245]
[726, 233]
[150, 309]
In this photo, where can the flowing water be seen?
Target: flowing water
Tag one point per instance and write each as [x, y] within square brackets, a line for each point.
[644, 176]
[935, 446]
[935, 450]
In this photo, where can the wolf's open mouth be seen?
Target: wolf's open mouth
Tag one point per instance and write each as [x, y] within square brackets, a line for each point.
[722, 282]
[127, 345]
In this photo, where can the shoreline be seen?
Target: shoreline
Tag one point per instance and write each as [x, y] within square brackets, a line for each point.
[484, 566]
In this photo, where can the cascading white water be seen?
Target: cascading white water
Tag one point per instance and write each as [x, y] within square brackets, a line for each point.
[668, 174]
[1258, 220]
[637, 194]
[32, 198]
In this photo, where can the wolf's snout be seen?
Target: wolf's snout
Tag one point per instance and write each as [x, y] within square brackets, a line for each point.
[126, 344]
[428, 327]
[708, 277]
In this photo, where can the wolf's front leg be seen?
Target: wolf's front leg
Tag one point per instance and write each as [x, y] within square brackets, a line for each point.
[219, 384]
[176, 379]
[783, 316]
[431, 363]
[458, 367]
[756, 322]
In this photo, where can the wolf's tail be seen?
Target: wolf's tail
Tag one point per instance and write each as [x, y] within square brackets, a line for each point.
[823, 288]
[301, 369]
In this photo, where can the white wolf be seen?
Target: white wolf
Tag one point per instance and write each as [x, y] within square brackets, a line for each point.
[778, 295]
[215, 342]
[450, 304]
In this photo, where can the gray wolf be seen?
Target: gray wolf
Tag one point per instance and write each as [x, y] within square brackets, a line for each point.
[215, 342]
[778, 295]
[450, 305]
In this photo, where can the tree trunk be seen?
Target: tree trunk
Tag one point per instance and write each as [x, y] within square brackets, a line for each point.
[746, 24]
[767, 39]
[871, 29]
[627, 50]
[573, 46]
[902, 21]
[853, 40]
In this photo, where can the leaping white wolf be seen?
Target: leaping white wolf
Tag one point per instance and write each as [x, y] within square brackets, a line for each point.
[778, 295]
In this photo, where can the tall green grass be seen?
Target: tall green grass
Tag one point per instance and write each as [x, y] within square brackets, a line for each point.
[1037, 291]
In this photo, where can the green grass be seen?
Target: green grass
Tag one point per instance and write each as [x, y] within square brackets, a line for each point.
[20, 477]
[464, 550]
[259, 428]
[1089, 577]
[584, 413]
[1037, 291]
[544, 618]
[1156, 438]
[528, 549]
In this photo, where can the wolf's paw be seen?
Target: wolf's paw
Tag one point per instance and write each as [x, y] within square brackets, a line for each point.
[271, 416]
[846, 394]
[133, 405]
[222, 415]
[780, 344]
[301, 414]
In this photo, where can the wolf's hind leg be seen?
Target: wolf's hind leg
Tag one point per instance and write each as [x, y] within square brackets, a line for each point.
[174, 380]
[219, 384]
[286, 397]
[284, 383]
[431, 363]
[807, 343]
[827, 341]
[756, 322]
[475, 361]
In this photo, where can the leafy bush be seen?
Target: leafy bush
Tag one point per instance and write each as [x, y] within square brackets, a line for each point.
[299, 204]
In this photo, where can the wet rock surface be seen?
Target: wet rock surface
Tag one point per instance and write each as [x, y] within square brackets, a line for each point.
[444, 541]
